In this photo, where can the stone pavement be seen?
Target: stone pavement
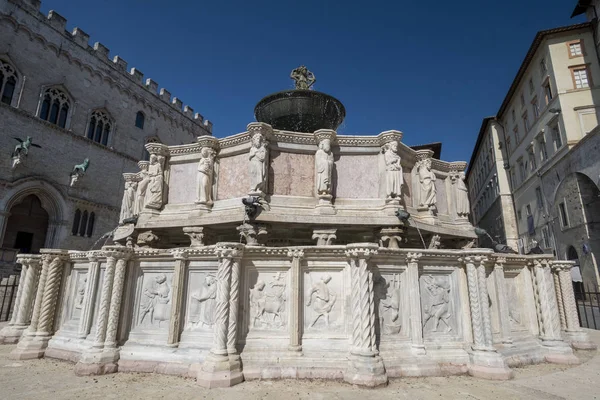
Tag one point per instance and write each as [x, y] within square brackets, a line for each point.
[51, 379]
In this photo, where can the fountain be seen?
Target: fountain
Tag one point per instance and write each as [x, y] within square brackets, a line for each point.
[291, 251]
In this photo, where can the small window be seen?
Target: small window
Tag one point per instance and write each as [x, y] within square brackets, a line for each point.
[516, 133]
[543, 66]
[564, 220]
[526, 122]
[556, 138]
[76, 221]
[580, 77]
[99, 127]
[90, 225]
[8, 82]
[522, 172]
[83, 224]
[543, 150]
[536, 107]
[531, 87]
[139, 120]
[545, 237]
[575, 49]
[548, 96]
[528, 210]
[532, 161]
[522, 100]
[55, 107]
[513, 115]
[519, 215]
[540, 199]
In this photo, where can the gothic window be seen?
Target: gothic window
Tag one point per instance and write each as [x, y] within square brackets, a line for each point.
[146, 155]
[55, 107]
[99, 127]
[139, 120]
[83, 223]
[8, 82]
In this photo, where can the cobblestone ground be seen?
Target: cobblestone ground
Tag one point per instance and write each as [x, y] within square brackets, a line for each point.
[51, 379]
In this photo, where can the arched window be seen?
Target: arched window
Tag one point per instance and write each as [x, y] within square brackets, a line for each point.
[76, 221]
[139, 120]
[55, 107]
[8, 82]
[90, 225]
[83, 224]
[99, 127]
[146, 155]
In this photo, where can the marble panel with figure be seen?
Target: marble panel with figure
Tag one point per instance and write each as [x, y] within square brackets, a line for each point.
[438, 314]
[268, 301]
[153, 309]
[323, 301]
[389, 304]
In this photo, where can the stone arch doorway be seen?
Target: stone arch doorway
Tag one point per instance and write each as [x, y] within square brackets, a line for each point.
[34, 194]
[27, 226]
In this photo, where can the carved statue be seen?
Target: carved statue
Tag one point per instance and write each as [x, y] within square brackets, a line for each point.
[80, 293]
[269, 300]
[79, 171]
[205, 175]
[462, 196]
[439, 308]
[388, 294]
[154, 193]
[155, 300]
[202, 303]
[427, 178]
[393, 171]
[322, 300]
[258, 164]
[142, 188]
[128, 203]
[22, 149]
[435, 242]
[324, 167]
[303, 78]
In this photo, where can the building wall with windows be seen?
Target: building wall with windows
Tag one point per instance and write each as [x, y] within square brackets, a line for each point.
[76, 103]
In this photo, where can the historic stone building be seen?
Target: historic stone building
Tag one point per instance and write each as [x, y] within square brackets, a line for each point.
[76, 103]
[540, 137]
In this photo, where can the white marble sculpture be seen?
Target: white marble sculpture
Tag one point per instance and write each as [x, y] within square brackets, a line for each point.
[388, 294]
[267, 303]
[427, 187]
[142, 188]
[437, 307]
[393, 171]
[324, 167]
[155, 301]
[154, 193]
[321, 299]
[202, 304]
[128, 203]
[80, 296]
[462, 196]
[205, 176]
[257, 170]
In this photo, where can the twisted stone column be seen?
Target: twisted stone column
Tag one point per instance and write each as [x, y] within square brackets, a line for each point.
[485, 361]
[502, 300]
[85, 321]
[222, 366]
[365, 366]
[414, 303]
[23, 303]
[105, 296]
[50, 298]
[35, 317]
[568, 306]
[115, 302]
[546, 302]
[179, 273]
[295, 303]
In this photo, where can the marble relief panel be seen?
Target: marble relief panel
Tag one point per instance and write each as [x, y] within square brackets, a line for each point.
[201, 301]
[391, 305]
[515, 314]
[153, 303]
[267, 301]
[292, 174]
[232, 180]
[323, 302]
[439, 297]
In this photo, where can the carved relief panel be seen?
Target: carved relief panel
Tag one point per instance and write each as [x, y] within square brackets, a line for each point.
[391, 305]
[74, 297]
[439, 304]
[324, 302]
[515, 302]
[267, 301]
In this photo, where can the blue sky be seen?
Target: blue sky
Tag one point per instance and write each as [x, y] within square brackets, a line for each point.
[432, 70]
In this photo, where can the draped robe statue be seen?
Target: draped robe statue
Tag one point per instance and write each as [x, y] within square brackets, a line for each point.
[128, 204]
[324, 167]
[205, 175]
[154, 193]
[462, 196]
[393, 171]
[258, 164]
[427, 187]
[142, 187]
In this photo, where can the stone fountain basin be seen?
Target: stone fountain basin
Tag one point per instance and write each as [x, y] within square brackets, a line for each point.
[300, 111]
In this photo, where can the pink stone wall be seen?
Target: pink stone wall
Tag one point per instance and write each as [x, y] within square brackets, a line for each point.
[233, 177]
[291, 174]
[357, 177]
[442, 200]
[182, 183]
[407, 190]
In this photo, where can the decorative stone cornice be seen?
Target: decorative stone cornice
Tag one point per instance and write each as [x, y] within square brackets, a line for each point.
[119, 252]
[229, 250]
[158, 149]
[29, 259]
[413, 257]
[143, 165]
[361, 250]
[423, 154]
[179, 254]
[474, 259]
[389, 136]
[265, 130]
[295, 253]
[325, 134]
[208, 141]
[562, 265]
[130, 177]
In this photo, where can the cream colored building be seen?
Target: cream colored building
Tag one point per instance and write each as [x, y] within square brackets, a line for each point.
[76, 102]
[549, 108]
